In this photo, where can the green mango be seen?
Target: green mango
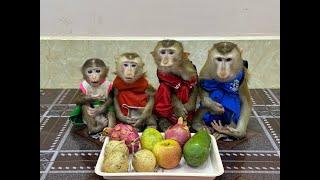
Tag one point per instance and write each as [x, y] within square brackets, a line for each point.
[197, 149]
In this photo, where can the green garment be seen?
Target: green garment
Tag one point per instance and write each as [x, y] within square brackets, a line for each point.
[76, 114]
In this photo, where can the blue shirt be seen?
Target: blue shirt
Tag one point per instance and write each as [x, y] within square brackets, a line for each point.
[227, 94]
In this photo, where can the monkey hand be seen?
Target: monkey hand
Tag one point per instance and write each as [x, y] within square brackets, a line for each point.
[99, 110]
[205, 128]
[180, 110]
[139, 121]
[219, 127]
[126, 119]
[96, 97]
[216, 108]
[95, 111]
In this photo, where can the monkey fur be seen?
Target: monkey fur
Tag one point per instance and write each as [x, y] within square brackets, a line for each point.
[96, 97]
[134, 95]
[223, 64]
[176, 74]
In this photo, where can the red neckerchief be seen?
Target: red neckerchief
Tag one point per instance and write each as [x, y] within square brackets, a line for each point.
[170, 83]
[131, 94]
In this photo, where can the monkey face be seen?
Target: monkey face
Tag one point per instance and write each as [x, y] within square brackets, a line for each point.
[130, 69]
[95, 75]
[226, 65]
[168, 56]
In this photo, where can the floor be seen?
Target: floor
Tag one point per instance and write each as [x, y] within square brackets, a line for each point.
[64, 154]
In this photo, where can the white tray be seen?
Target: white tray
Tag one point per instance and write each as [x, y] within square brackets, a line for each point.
[209, 170]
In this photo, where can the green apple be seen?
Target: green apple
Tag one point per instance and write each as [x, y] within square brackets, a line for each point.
[149, 138]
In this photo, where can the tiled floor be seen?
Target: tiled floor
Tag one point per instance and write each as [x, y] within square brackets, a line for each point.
[66, 155]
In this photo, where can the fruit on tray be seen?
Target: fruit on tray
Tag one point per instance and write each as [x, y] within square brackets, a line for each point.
[116, 162]
[127, 133]
[197, 149]
[150, 137]
[179, 132]
[168, 153]
[144, 161]
[114, 145]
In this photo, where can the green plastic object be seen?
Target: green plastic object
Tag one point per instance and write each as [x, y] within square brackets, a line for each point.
[76, 114]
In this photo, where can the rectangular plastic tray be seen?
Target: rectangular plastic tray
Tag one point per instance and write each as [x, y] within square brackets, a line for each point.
[209, 170]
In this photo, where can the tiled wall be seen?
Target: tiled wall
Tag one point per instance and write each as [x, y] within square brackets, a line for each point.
[61, 59]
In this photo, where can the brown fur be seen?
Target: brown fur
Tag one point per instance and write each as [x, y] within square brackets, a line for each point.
[146, 117]
[101, 119]
[181, 67]
[209, 71]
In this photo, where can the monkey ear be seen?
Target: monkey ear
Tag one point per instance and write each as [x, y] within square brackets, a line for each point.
[107, 69]
[116, 57]
[185, 55]
[152, 53]
[241, 50]
[144, 73]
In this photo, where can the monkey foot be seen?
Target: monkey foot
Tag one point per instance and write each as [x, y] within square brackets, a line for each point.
[227, 139]
[95, 136]
[84, 134]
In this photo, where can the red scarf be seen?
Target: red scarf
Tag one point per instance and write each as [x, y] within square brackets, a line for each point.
[172, 84]
[131, 94]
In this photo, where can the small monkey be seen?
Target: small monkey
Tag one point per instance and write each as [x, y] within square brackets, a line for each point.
[134, 95]
[177, 93]
[225, 99]
[96, 97]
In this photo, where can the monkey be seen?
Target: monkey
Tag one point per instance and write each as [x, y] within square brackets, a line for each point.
[177, 93]
[95, 100]
[224, 95]
[134, 95]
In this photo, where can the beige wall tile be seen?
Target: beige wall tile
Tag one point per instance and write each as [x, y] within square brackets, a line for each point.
[61, 59]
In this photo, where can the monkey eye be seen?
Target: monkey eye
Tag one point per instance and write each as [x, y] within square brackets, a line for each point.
[98, 71]
[134, 65]
[163, 52]
[125, 65]
[171, 52]
[219, 59]
[90, 71]
[228, 59]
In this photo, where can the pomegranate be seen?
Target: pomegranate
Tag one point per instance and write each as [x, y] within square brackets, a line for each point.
[179, 132]
[126, 133]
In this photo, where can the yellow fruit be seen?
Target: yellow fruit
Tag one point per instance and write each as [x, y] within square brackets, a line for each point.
[168, 153]
[116, 162]
[144, 161]
[114, 145]
[149, 138]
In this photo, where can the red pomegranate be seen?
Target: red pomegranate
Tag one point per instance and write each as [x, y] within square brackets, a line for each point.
[179, 132]
[127, 133]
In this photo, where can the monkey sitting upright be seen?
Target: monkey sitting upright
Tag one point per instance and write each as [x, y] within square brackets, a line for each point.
[94, 105]
[134, 96]
[177, 93]
[225, 100]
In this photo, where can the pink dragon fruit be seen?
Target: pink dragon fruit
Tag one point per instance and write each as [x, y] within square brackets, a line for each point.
[127, 133]
[179, 132]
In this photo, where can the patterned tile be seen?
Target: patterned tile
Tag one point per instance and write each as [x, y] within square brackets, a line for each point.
[51, 132]
[254, 157]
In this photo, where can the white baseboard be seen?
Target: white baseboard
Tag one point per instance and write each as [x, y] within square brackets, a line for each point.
[189, 38]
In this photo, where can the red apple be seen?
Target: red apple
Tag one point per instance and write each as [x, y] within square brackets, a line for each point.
[168, 153]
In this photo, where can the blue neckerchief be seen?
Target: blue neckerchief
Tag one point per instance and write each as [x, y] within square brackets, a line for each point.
[227, 94]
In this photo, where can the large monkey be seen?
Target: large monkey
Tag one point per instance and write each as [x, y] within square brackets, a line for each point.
[225, 99]
[134, 96]
[177, 93]
[95, 103]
